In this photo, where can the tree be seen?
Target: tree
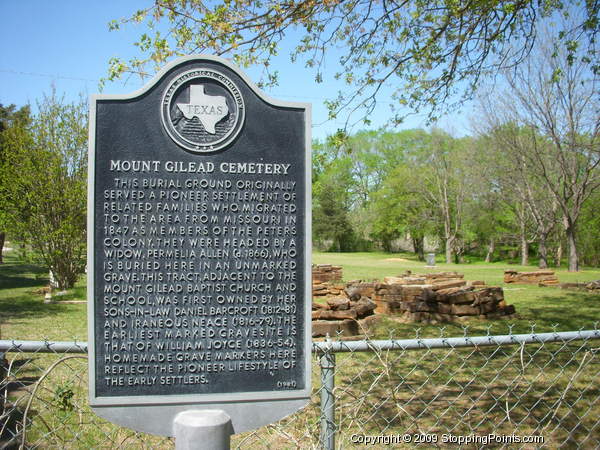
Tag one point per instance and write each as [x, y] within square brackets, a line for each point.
[400, 209]
[534, 209]
[432, 53]
[487, 211]
[550, 119]
[372, 156]
[445, 185]
[43, 185]
[331, 206]
[426, 192]
[10, 117]
[589, 233]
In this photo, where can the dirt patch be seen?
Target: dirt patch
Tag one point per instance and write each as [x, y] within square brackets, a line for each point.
[397, 259]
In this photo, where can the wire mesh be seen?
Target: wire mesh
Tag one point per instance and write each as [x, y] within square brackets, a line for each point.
[523, 392]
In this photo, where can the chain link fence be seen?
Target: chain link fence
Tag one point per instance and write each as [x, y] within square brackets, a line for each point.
[519, 391]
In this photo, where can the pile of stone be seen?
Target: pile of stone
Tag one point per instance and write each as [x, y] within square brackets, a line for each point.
[327, 289]
[593, 286]
[322, 273]
[590, 286]
[324, 277]
[448, 305]
[345, 316]
[434, 298]
[539, 277]
[389, 295]
[430, 298]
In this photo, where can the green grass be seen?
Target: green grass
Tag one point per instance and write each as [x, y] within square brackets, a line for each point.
[472, 391]
[25, 316]
[545, 390]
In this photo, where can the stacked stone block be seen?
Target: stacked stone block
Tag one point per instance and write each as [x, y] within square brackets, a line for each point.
[590, 286]
[539, 277]
[447, 305]
[326, 280]
[593, 286]
[327, 289]
[341, 316]
[322, 273]
[430, 298]
[441, 297]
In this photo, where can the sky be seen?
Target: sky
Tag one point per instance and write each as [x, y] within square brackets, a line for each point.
[67, 44]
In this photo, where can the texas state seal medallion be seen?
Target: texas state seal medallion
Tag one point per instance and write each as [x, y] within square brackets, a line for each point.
[202, 110]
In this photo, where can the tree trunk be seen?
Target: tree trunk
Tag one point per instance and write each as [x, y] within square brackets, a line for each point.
[386, 244]
[457, 258]
[490, 252]
[524, 250]
[559, 251]
[521, 215]
[2, 239]
[573, 257]
[543, 253]
[449, 244]
[419, 247]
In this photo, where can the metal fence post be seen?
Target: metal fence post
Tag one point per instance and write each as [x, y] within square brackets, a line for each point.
[3, 382]
[327, 364]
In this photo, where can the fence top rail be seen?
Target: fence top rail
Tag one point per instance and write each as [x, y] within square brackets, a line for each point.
[453, 342]
[9, 345]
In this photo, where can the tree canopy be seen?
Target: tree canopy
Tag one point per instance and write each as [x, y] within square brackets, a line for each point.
[429, 191]
[548, 122]
[43, 174]
[425, 54]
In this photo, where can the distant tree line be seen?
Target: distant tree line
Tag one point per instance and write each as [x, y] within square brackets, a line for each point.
[465, 193]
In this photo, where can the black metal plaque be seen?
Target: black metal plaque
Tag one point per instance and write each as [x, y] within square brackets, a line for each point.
[199, 241]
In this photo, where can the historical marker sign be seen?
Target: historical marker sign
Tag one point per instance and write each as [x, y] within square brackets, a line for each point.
[199, 247]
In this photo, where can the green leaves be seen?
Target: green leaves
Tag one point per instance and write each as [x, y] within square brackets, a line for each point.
[43, 175]
[433, 52]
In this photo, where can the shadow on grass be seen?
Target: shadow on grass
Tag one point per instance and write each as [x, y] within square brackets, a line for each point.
[17, 298]
[23, 306]
[11, 416]
[10, 436]
[16, 385]
[13, 276]
[571, 311]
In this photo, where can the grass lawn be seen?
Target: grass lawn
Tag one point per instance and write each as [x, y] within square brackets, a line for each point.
[24, 315]
[546, 390]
